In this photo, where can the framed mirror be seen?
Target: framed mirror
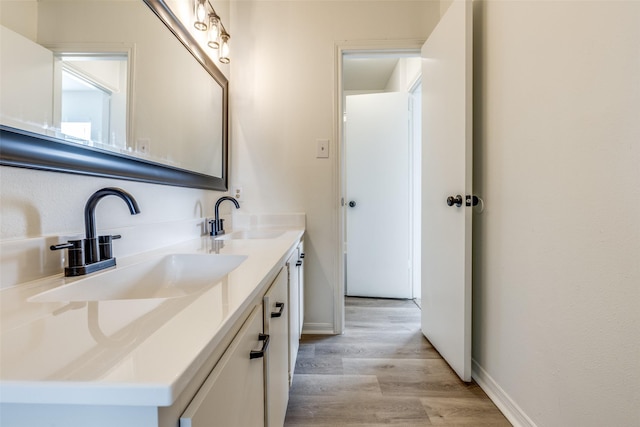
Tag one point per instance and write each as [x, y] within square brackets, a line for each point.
[131, 100]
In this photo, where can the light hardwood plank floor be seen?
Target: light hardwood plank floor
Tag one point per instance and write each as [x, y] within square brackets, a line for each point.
[382, 371]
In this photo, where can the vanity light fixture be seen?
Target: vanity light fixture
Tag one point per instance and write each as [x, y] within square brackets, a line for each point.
[224, 48]
[200, 13]
[206, 19]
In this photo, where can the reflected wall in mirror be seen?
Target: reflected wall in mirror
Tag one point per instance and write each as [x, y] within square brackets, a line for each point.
[120, 83]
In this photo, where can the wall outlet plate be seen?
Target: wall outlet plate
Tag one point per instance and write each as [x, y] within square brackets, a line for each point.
[237, 193]
[322, 150]
[143, 145]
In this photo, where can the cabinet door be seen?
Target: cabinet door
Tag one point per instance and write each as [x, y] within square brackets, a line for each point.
[233, 394]
[294, 307]
[277, 359]
[300, 289]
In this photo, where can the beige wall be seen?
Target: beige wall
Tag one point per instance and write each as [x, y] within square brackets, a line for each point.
[284, 98]
[557, 249]
[20, 16]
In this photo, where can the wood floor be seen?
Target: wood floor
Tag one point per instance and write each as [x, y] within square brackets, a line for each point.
[382, 371]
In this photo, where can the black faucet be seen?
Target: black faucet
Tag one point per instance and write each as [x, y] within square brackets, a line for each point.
[217, 227]
[94, 253]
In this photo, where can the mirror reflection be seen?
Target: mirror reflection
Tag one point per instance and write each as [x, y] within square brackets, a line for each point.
[92, 101]
[119, 81]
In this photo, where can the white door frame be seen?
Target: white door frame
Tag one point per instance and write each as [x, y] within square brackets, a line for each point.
[366, 47]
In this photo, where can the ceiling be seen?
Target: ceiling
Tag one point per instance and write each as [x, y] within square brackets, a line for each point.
[371, 73]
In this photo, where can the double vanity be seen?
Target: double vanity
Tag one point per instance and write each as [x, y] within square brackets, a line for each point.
[200, 333]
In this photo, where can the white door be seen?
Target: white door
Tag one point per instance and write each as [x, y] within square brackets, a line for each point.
[378, 214]
[446, 169]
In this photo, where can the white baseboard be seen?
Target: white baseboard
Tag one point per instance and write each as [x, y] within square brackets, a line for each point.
[507, 406]
[318, 329]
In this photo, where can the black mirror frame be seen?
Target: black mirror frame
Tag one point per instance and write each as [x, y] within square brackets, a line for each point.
[20, 148]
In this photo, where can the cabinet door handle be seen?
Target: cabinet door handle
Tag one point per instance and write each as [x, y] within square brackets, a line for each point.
[256, 354]
[298, 263]
[302, 255]
[278, 313]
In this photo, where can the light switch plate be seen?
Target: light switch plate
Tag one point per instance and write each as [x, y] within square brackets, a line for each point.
[322, 148]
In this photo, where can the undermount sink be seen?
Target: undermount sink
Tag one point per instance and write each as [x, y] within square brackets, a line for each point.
[252, 234]
[170, 276]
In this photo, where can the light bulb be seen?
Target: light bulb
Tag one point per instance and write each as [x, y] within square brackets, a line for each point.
[224, 48]
[214, 31]
[200, 14]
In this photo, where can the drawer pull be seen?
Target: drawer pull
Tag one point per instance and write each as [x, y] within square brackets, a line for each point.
[256, 354]
[278, 313]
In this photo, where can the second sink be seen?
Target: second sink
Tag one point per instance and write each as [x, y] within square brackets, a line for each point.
[170, 276]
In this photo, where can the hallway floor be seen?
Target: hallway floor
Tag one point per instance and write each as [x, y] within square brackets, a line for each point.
[382, 371]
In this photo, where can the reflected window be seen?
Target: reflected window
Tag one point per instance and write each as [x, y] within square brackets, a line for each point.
[92, 106]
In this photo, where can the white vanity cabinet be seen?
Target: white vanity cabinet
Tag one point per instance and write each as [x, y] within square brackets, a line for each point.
[276, 325]
[241, 391]
[295, 268]
[233, 394]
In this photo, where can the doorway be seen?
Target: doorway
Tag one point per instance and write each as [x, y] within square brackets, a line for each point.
[387, 181]
[446, 194]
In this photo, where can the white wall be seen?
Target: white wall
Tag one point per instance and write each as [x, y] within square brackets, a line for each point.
[557, 249]
[284, 98]
[25, 82]
[405, 75]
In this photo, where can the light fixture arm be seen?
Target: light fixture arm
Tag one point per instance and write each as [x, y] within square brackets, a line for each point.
[223, 30]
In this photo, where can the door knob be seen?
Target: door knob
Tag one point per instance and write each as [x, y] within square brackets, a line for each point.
[457, 200]
[352, 204]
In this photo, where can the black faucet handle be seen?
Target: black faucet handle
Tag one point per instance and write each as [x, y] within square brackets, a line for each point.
[60, 246]
[104, 246]
[76, 251]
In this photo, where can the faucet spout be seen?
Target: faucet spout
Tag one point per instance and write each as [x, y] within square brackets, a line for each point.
[222, 199]
[216, 225]
[91, 253]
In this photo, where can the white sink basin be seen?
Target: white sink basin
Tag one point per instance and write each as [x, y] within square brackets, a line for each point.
[252, 234]
[170, 276]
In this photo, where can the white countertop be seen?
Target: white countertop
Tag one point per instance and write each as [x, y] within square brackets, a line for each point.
[127, 352]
